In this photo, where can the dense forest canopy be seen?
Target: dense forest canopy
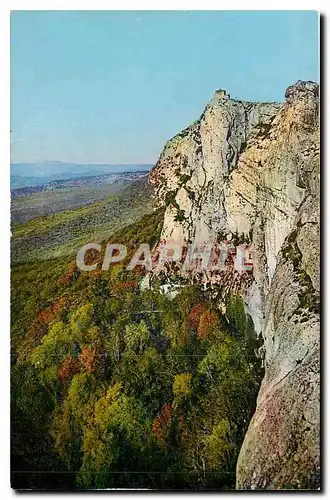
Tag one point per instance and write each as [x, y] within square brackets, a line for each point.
[115, 386]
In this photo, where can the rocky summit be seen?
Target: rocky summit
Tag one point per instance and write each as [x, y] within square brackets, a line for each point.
[251, 170]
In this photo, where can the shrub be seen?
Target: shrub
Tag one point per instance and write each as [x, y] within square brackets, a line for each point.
[181, 384]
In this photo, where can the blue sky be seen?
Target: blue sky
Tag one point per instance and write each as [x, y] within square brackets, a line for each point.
[112, 87]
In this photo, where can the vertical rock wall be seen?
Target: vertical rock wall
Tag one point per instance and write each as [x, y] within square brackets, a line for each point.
[252, 169]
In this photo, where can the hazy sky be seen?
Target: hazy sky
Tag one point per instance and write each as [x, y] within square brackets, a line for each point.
[112, 87]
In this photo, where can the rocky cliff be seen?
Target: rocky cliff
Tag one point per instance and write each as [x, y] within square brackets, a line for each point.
[251, 170]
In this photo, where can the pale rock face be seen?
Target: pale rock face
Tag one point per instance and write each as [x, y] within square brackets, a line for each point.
[252, 169]
[281, 447]
[195, 167]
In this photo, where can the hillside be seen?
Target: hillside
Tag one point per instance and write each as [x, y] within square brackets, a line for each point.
[120, 387]
[62, 233]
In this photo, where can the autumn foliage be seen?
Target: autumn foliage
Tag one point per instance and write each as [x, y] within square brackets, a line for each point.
[195, 314]
[207, 322]
[162, 422]
[67, 277]
[39, 326]
[102, 356]
[88, 359]
[67, 369]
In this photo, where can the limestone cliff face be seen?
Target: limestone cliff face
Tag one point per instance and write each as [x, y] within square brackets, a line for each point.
[252, 169]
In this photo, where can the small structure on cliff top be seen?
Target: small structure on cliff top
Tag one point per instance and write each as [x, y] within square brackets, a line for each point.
[222, 93]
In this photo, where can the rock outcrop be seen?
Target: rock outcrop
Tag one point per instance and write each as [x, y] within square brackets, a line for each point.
[251, 170]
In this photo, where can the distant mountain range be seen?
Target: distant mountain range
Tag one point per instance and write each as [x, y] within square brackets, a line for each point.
[39, 173]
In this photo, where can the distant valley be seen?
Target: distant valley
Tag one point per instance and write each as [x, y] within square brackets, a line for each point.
[40, 173]
[56, 217]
